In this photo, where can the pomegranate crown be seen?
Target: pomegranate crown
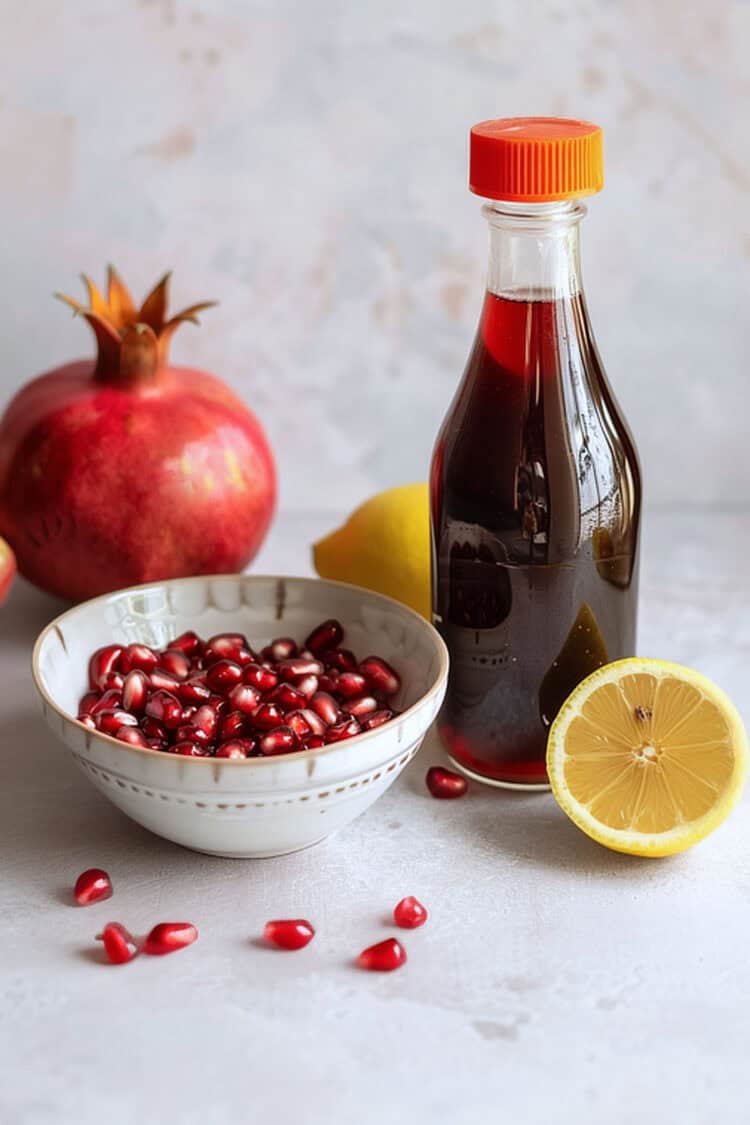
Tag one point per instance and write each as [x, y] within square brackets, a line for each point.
[131, 343]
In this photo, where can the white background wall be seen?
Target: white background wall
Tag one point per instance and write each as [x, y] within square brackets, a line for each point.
[305, 164]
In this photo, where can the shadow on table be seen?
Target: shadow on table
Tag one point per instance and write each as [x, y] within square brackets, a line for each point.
[528, 828]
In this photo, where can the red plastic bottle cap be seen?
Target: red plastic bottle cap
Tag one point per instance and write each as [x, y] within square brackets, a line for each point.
[535, 159]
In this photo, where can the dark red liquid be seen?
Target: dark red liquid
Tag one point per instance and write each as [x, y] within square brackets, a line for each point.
[535, 494]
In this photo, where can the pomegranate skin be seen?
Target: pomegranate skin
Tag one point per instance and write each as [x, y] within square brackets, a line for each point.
[106, 483]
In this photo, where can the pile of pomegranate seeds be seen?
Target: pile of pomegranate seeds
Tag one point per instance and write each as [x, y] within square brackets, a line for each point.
[445, 784]
[167, 937]
[220, 698]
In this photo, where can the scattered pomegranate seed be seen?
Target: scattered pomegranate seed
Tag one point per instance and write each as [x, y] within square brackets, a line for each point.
[445, 784]
[384, 957]
[93, 885]
[168, 937]
[289, 933]
[409, 913]
[329, 634]
[119, 945]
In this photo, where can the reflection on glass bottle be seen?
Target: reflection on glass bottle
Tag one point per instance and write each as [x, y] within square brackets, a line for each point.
[582, 653]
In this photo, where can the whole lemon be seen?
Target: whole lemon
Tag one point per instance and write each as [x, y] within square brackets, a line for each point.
[384, 546]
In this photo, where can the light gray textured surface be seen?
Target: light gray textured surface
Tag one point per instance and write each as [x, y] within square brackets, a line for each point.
[305, 164]
[554, 981]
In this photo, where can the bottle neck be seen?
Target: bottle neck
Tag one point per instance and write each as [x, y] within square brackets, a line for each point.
[534, 249]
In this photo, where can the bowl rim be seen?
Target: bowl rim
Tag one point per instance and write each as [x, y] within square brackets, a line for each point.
[295, 755]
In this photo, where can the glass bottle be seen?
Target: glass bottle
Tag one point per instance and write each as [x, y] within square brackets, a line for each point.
[535, 485]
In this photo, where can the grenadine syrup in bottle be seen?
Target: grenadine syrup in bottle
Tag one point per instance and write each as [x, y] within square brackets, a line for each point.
[535, 486]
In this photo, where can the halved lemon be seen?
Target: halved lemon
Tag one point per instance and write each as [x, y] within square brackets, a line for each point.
[647, 757]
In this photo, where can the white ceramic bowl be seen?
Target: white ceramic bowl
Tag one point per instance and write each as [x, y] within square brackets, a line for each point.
[259, 806]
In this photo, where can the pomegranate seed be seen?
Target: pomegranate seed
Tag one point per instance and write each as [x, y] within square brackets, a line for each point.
[168, 937]
[329, 634]
[314, 742]
[244, 697]
[113, 682]
[154, 729]
[159, 680]
[138, 656]
[347, 728]
[231, 725]
[281, 649]
[341, 660]
[119, 945]
[264, 679]
[236, 748]
[189, 643]
[287, 697]
[365, 705]
[299, 724]
[278, 741]
[93, 885]
[327, 682]
[289, 669]
[165, 709]
[135, 691]
[326, 707]
[157, 744]
[223, 675]
[87, 721]
[380, 676]
[106, 702]
[377, 718]
[350, 685]
[104, 661]
[88, 701]
[207, 719]
[289, 933]
[268, 716]
[188, 733]
[109, 722]
[307, 686]
[175, 662]
[384, 957]
[194, 690]
[228, 646]
[189, 749]
[132, 735]
[187, 713]
[409, 913]
[445, 784]
[313, 720]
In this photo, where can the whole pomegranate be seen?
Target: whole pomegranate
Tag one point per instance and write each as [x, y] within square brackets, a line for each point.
[124, 469]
